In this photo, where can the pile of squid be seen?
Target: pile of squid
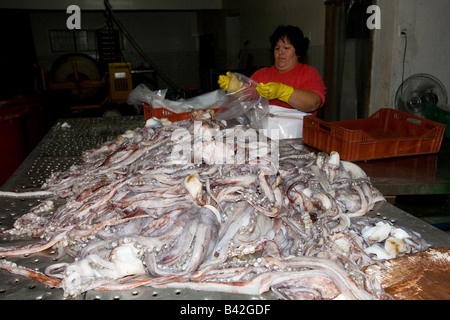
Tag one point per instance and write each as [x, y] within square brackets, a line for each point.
[179, 206]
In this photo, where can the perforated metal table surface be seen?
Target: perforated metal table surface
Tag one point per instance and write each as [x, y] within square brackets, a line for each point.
[61, 148]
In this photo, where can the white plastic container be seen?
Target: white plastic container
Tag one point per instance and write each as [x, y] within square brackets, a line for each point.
[284, 123]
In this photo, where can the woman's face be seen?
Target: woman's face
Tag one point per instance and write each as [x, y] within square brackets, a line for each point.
[284, 55]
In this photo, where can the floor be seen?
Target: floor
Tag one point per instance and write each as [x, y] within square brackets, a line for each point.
[433, 209]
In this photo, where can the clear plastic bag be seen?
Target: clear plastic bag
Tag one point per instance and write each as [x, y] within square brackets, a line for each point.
[210, 100]
[245, 105]
[156, 99]
[143, 94]
[248, 107]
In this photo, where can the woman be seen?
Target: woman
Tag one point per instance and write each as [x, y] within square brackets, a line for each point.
[288, 83]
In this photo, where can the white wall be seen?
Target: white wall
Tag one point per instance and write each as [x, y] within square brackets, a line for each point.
[428, 49]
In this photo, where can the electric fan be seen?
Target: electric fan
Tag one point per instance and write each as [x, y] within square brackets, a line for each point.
[419, 91]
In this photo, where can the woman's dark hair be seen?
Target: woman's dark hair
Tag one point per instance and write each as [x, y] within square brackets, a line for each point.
[295, 36]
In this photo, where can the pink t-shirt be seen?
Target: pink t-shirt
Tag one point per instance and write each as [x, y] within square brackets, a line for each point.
[301, 76]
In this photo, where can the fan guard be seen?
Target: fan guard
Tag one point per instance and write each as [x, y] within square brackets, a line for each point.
[419, 91]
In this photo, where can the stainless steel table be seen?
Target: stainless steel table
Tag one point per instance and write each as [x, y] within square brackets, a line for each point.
[412, 175]
[61, 148]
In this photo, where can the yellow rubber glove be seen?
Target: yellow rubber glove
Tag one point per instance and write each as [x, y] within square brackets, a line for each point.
[229, 82]
[275, 90]
[224, 81]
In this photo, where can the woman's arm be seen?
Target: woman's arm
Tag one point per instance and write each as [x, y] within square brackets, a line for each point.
[304, 100]
[300, 99]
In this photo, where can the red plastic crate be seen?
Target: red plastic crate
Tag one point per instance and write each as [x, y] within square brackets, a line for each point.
[387, 133]
[159, 113]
